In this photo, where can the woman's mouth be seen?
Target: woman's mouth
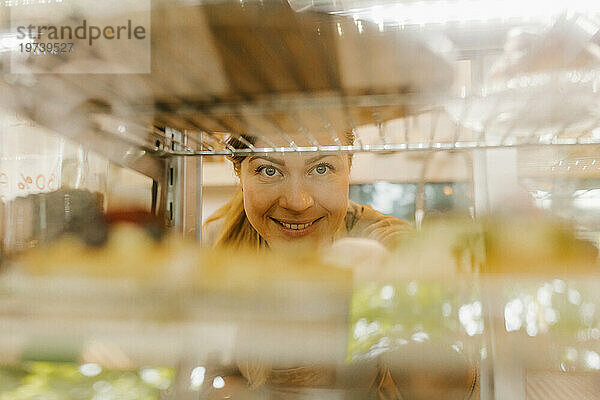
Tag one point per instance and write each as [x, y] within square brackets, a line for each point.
[300, 227]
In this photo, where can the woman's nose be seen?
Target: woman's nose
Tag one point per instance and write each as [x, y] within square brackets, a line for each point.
[296, 197]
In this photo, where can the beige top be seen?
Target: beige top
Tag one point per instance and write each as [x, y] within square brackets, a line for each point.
[360, 221]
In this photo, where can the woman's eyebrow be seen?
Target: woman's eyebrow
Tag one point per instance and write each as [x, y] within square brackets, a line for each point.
[317, 158]
[273, 160]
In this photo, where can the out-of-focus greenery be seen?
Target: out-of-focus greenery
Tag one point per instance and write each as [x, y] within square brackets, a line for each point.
[65, 381]
[554, 307]
[386, 316]
[565, 310]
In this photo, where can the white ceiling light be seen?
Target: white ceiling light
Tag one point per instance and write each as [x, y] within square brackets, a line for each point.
[442, 11]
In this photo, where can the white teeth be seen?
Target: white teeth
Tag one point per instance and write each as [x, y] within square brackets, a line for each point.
[296, 226]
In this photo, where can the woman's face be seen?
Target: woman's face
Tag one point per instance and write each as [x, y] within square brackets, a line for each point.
[300, 198]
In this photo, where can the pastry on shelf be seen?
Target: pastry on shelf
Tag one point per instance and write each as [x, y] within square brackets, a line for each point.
[519, 243]
[138, 248]
[134, 247]
[537, 245]
[247, 271]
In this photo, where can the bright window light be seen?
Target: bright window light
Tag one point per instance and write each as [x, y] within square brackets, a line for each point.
[442, 11]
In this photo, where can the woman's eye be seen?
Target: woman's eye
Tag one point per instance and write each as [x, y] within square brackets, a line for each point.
[268, 171]
[321, 169]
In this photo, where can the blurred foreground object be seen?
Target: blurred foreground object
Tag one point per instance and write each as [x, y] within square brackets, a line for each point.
[305, 72]
[520, 243]
[293, 324]
[536, 245]
[543, 85]
[42, 218]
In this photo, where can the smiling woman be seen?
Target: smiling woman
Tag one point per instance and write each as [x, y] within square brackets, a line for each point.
[300, 198]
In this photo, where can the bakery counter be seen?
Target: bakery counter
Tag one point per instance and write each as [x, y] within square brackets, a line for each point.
[491, 312]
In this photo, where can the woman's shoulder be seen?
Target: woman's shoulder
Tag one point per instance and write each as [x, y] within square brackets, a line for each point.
[364, 221]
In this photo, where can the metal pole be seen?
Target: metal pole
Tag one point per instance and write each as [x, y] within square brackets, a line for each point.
[199, 196]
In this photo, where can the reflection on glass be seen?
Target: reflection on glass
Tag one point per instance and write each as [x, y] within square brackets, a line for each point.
[470, 318]
[592, 360]
[574, 296]
[197, 378]
[155, 377]
[483, 353]
[570, 197]
[90, 369]
[219, 382]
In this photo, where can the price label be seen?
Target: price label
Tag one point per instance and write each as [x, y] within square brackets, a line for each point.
[3, 186]
[30, 159]
[34, 174]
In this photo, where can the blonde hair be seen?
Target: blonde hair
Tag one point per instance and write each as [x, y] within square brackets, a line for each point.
[236, 229]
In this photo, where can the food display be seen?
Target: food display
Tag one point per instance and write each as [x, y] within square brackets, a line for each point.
[399, 318]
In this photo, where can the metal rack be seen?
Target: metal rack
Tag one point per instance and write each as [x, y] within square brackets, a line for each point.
[294, 101]
[402, 137]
